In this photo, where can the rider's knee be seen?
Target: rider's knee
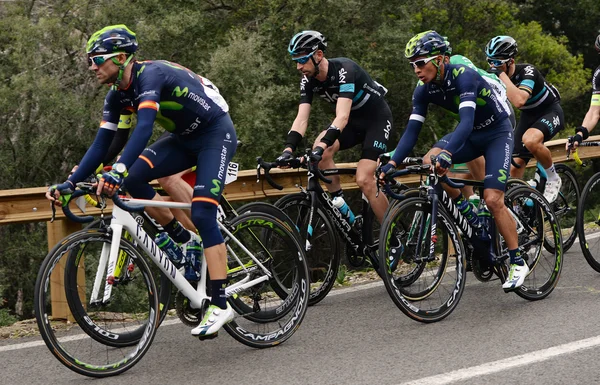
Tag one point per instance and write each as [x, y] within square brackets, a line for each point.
[204, 216]
[365, 182]
[494, 200]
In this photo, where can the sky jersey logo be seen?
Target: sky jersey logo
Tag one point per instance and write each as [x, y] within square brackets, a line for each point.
[342, 75]
[529, 71]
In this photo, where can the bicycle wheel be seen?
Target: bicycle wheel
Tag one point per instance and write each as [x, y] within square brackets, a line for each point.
[437, 290]
[588, 222]
[270, 312]
[131, 309]
[165, 287]
[536, 221]
[323, 256]
[565, 208]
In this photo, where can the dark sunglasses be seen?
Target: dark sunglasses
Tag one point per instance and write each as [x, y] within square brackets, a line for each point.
[422, 62]
[302, 59]
[100, 59]
[497, 63]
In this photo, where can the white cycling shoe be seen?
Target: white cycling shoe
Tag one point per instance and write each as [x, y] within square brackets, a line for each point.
[516, 277]
[213, 320]
[552, 189]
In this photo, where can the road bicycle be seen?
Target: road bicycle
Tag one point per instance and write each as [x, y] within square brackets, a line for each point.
[323, 227]
[115, 300]
[436, 240]
[588, 213]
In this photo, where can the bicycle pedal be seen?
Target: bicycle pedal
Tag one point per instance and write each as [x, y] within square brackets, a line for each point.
[208, 337]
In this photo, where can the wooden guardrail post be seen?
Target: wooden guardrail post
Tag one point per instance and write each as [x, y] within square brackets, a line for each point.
[57, 230]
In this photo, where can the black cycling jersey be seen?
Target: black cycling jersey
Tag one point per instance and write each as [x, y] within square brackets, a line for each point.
[345, 79]
[596, 88]
[530, 80]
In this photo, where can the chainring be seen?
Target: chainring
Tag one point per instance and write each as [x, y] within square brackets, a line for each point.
[188, 315]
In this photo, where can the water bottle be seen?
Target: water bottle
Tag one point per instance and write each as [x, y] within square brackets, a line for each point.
[193, 260]
[341, 204]
[474, 199]
[171, 249]
[466, 208]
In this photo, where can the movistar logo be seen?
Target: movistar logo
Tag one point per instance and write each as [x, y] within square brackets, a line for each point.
[458, 71]
[141, 70]
[179, 92]
[485, 92]
[503, 176]
[215, 190]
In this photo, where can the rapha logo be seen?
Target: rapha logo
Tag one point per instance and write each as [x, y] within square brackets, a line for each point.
[342, 75]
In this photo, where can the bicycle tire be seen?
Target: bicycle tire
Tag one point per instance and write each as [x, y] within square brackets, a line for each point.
[324, 257]
[451, 265]
[565, 207]
[261, 309]
[76, 348]
[538, 221]
[588, 222]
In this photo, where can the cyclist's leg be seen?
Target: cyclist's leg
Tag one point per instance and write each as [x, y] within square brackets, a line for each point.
[180, 191]
[214, 147]
[378, 130]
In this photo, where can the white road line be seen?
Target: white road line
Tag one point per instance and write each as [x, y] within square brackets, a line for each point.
[508, 363]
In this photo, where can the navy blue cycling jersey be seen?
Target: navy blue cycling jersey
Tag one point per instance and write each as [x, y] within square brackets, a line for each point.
[181, 101]
[464, 93]
[541, 94]
[345, 79]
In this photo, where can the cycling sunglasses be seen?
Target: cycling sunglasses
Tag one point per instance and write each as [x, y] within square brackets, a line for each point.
[422, 62]
[497, 63]
[100, 59]
[302, 59]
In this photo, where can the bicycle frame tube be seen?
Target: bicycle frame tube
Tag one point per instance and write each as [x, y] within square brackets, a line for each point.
[122, 220]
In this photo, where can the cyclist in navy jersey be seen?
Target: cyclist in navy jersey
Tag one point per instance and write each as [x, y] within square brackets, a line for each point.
[362, 116]
[593, 115]
[201, 134]
[541, 114]
[484, 130]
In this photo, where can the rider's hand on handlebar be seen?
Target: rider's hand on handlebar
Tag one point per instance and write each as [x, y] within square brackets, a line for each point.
[386, 169]
[60, 193]
[109, 183]
[443, 163]
[573, 142]
[283, 159]
[317, 154]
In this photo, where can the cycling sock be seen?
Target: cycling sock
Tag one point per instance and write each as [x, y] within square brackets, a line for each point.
[218, 293]
[177, 232]
[551, 172]
[338, 193]
[515, 257]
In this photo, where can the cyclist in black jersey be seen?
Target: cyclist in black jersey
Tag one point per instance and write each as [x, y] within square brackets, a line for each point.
[541, 114]
[201, 134]
[484, 129]
[362, 116]
[593, 115]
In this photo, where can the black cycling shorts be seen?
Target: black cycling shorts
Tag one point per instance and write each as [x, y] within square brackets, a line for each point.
[549, 123]
[372, 128]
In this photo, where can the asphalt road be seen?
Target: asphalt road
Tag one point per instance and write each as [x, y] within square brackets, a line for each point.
[358, 336]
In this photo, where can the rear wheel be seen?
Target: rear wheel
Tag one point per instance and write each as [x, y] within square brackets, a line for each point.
[588, 222]
[323, 254]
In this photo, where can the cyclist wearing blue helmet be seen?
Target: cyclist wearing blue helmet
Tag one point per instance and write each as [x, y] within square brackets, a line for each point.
[484, 129]
[191, 109]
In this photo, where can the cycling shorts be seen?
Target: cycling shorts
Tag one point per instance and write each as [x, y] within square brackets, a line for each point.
[372, 128]
[549, 123]
[495, 144]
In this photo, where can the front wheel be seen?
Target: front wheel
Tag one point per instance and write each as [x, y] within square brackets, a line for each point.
[435, 292]
[110, 335]
[588, 222]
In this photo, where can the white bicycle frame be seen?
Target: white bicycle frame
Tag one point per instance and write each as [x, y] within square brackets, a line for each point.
[123, 220]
